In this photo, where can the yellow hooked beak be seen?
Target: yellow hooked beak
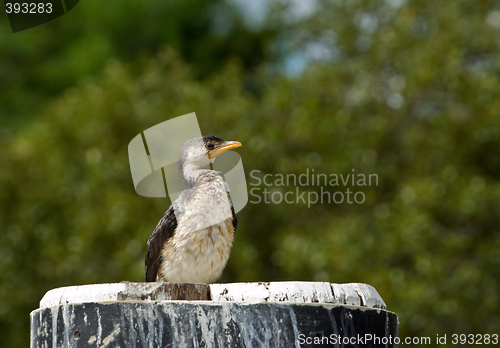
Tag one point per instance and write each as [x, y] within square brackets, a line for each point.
[228, 145]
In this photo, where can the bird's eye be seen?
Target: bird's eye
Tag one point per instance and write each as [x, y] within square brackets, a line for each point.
[210, 146]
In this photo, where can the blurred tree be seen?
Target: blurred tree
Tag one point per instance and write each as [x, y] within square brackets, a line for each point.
[41, 62]
[406, 91]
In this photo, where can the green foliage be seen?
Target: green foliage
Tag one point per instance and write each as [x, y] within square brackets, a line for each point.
[41, 62]
[411, 96]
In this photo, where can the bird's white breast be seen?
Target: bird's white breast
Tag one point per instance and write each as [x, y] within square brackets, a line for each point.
[200, 247]
[198, 256]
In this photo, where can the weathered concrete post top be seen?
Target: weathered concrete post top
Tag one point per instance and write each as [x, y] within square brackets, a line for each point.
[276, 314]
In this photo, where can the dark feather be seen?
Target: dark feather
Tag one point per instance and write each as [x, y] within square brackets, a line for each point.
[162, 232]
[212, 139]
[235, 220]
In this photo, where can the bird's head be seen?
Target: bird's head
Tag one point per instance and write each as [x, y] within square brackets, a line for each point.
[199, 152]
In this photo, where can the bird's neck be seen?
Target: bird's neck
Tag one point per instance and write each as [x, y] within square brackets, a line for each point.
[191, 173]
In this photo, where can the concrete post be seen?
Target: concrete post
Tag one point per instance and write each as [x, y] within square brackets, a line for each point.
[276, 314]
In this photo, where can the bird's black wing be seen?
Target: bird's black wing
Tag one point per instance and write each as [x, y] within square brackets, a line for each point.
[235, 220]
[162, 232]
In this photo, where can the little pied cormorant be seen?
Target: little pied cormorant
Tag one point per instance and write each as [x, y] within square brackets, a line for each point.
[193, 239]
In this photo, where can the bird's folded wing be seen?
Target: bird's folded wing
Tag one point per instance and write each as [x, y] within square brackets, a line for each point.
[234, 219]
[162, 232]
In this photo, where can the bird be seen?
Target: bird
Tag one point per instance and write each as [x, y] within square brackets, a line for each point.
[192, 241]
